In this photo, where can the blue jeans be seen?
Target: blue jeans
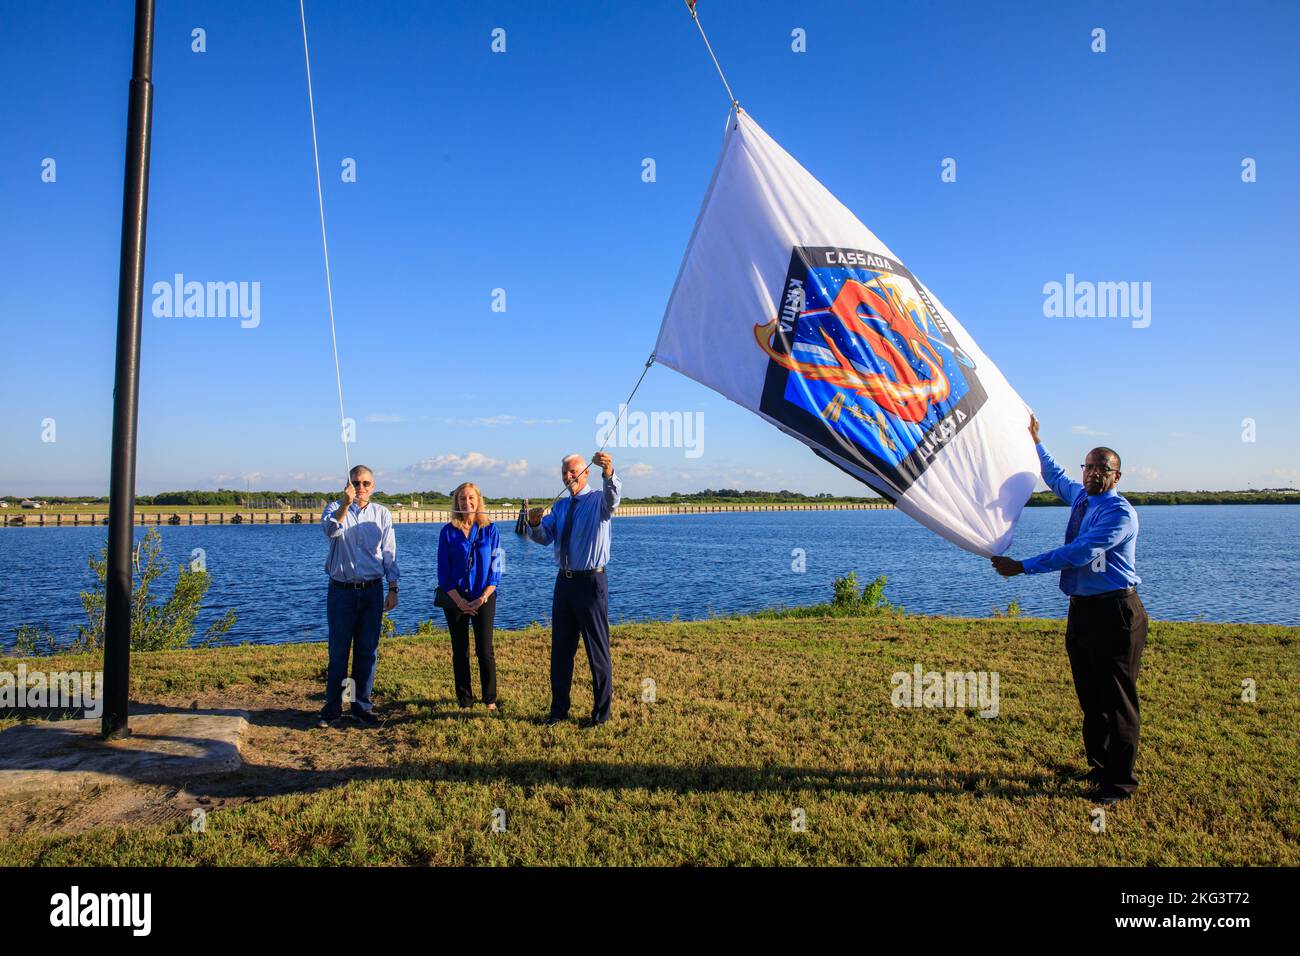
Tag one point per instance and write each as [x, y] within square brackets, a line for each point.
[355, 616]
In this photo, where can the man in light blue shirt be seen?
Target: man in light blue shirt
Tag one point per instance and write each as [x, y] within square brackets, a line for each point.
[1106, 629]
[578, 528]
[363, 553]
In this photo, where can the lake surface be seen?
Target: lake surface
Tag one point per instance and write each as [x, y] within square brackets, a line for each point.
[1234, 563]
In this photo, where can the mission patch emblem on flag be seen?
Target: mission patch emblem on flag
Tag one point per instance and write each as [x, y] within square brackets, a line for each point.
[858, 348]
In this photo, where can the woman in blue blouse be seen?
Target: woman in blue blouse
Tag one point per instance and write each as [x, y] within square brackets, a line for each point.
[469, 570]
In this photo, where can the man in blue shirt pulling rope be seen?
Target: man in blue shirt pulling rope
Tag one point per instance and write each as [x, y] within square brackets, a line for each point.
[578, 527]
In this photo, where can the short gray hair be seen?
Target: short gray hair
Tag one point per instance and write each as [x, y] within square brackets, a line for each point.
[357, 470]
[568, 458]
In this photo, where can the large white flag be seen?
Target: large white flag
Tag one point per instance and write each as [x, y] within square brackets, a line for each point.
[792, 308]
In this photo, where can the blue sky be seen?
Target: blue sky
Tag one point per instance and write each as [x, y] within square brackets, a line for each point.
[522, 171]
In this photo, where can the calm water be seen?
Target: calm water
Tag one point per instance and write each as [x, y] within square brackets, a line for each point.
[1210, 562]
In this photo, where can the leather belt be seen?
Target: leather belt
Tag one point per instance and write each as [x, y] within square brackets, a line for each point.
[1105, 595]
[583, 574]
[355, 585]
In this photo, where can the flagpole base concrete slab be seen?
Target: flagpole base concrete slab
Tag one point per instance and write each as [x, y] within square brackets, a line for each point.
[70, 754]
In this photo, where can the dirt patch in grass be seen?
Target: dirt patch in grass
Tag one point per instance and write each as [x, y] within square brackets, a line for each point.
[284, 752]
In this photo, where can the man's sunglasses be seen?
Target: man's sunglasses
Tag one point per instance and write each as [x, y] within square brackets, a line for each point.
[1104, 469]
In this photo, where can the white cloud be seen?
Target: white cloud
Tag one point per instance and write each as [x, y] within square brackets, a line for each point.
[1085, 430]
[637, 469]
[473, 462]
[491, 421]
[385, 418]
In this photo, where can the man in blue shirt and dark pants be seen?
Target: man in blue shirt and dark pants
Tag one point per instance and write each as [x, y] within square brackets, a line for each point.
[1107, 624]
[579, 529]
[363, 552]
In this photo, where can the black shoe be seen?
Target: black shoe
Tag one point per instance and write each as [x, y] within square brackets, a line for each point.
[552, 720]
[1092, 776]
[324, 723]
[593, 724]
[1109, 795]
[366, 718]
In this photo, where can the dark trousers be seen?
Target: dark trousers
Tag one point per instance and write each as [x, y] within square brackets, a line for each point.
[1104, 639]
[459, 624]
[580, 606]
[355, 617]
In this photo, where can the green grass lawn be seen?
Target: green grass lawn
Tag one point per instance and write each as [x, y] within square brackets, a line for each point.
[754, 719]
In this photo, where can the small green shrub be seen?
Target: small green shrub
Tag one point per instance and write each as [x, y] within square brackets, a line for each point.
[870, 601]
[846, 590]
[34, 641]
[155, 625]
[1013, 610]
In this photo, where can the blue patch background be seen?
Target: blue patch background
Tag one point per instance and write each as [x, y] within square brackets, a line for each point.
[820, 289]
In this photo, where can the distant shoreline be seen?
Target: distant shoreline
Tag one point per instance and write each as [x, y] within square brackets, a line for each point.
[196, 515]
[190, 517]
[270, 502]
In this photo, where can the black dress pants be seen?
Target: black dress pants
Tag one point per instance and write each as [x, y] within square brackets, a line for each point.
[1104, 638]
[580, 606]
[459, 624]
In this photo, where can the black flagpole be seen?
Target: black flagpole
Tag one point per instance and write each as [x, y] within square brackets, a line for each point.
[126, 381]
